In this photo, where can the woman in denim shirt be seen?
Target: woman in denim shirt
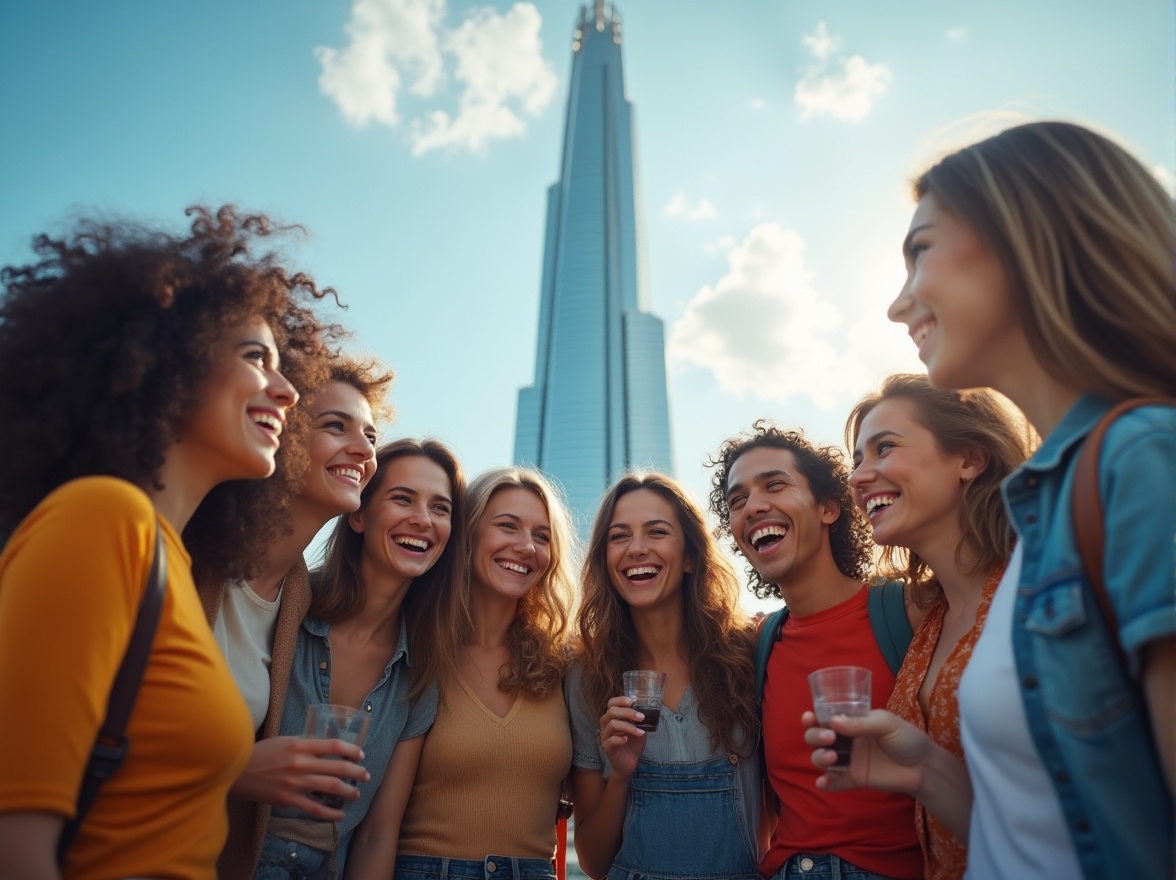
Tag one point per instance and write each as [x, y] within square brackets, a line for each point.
[368, 642]
[1040, 264]
[683, 800]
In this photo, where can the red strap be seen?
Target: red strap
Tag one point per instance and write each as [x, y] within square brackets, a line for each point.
[1086, 509]
[561, 849]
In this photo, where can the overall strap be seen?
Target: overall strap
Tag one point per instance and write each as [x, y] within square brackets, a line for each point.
[110, 747]
[1087, 514]
[888, 619]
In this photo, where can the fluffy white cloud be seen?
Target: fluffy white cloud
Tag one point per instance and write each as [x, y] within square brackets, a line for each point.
[844, 88]
[764, 329]
[398, 45]
[821, 43]
[679, 206]
[722, 244]
[957, 34]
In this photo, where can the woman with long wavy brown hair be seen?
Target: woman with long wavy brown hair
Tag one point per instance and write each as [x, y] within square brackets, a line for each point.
[658, 595]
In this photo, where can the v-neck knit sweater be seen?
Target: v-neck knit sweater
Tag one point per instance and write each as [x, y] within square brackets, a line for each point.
[488, 785]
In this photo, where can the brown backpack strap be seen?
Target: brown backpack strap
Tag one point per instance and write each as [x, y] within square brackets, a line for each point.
[1086, 510]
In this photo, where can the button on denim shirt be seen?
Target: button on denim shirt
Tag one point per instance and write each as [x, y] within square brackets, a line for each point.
[394, 719]
[1086, 713]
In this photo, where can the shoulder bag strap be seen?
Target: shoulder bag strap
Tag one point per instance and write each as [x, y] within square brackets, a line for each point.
[1087, 514]
[889, 621]
[110, 748]
[766, 638]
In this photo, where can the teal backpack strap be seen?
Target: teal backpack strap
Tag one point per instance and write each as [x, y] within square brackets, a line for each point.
[888, 619]
[769, 633]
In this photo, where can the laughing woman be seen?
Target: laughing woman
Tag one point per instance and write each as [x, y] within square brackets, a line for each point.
[928, 465]
[486, 795]
[682, 801]
[368, 642]
[1039, 263]
[256, 620]
[138, 371]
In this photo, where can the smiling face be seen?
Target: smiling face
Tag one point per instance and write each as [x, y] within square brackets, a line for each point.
[778, 524]
[341, 448]
[407, 522]
[957, 304]
[646, 549]
[511, 544]
[235, 429]
[909, 489]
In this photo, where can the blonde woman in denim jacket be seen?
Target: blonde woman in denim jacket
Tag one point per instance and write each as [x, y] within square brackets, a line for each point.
[1040, 264]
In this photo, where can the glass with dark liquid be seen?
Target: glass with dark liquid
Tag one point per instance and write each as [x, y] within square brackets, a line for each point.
[840, 690]
[328, 721]
[646, 687]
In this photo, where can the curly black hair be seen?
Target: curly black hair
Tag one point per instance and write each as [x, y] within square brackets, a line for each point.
[828, 477]
[105, 341]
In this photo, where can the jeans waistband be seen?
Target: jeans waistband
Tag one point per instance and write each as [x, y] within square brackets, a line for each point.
[490, 868]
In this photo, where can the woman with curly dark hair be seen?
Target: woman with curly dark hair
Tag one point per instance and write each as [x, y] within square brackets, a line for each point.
[488, 786]
[684, 799]
[138, 371]
[256, 621]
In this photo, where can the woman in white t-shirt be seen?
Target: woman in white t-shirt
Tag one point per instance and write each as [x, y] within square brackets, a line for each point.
[255, 620]
[1040, 264]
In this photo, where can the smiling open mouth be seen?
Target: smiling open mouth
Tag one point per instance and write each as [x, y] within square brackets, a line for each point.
[516, 567]
[416, 545]
[768, 536]
[642, 573]
[879, 503]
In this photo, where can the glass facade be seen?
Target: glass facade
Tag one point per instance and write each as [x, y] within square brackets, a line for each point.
[598, 404]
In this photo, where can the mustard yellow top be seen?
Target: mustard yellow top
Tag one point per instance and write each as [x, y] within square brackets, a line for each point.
[71, 578]
[488, 785]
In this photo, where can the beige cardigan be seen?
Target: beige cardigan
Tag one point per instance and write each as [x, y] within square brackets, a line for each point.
[248, 819]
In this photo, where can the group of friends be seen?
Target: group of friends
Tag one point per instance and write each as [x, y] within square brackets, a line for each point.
[187, 387]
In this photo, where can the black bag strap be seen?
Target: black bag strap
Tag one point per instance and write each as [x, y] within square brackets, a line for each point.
[888, 619]
[110, 747]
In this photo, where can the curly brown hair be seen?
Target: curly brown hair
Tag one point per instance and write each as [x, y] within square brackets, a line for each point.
[720, 639]
[961, 421]
[371, 378]
[537, 638]
[105, 342]
[827, 474]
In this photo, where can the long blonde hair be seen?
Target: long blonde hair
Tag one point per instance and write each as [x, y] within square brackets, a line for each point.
[537, 638]
[1086, 236]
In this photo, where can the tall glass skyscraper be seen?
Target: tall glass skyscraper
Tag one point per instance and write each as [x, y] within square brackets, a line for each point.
[598, 405]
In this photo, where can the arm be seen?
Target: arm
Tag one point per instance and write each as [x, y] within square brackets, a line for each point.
[890, 754]
[373, 848]
[28, 845]
[1159, 688]
[600, 805]
[283, 769]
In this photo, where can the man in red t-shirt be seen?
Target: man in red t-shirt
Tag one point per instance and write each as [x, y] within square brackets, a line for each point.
[787, 505]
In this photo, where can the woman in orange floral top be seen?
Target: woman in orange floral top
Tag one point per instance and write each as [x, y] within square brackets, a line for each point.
[928, 466]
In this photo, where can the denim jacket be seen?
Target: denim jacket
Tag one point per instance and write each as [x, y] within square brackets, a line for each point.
[1086, 713]
[394, 718]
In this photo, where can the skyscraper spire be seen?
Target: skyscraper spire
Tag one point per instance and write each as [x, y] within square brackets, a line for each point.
[598, 404]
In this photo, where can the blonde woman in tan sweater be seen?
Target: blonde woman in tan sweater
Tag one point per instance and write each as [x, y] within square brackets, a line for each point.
[488, 785]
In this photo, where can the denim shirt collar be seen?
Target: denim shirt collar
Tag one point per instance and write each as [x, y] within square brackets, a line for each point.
[1078, 421]
[322, 630]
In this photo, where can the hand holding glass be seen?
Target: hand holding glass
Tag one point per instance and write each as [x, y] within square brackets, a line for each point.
[840, 690]
[646, 688]
[328, 721]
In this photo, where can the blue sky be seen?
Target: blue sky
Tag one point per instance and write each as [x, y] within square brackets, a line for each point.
[775, 140]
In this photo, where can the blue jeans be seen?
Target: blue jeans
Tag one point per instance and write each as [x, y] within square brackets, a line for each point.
[803, 866]
[685, 820]
[489, 868]
[285, 860]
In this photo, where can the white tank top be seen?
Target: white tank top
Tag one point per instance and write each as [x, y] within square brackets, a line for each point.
[1017, 827]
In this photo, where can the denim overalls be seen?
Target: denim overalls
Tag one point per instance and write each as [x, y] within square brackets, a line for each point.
[674, 802]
